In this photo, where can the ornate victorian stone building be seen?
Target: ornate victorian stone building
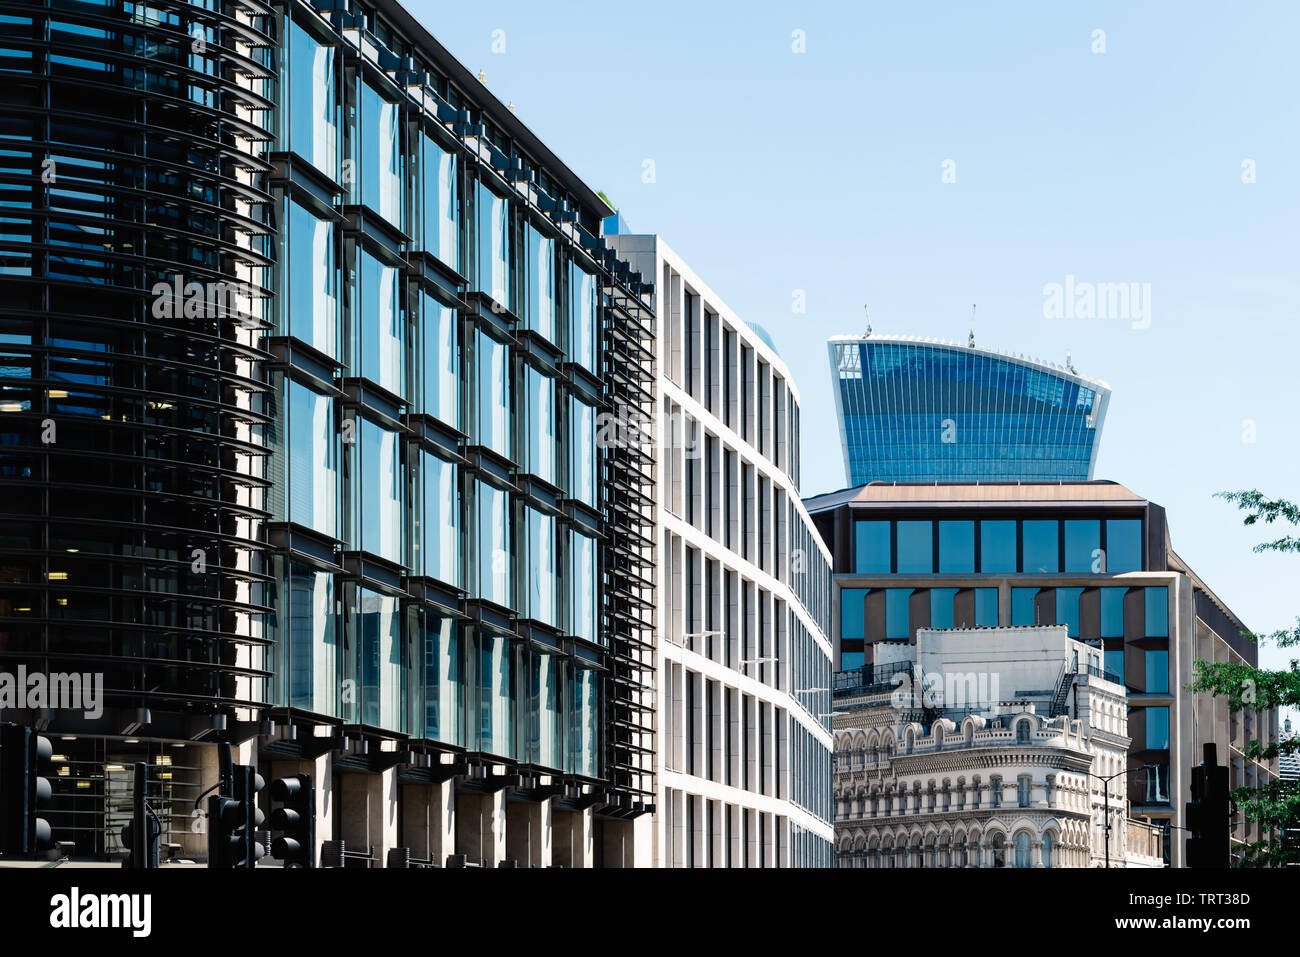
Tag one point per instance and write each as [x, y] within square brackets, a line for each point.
[985, 748]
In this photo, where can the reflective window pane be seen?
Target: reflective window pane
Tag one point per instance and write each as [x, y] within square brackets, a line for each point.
[495, 554]
[313, 134]
[1083, 546]
[313, 640]
[852, 614]
[381, 158]
[1040, 547]
[441, 228]
[1113, 662]
[444, 679]
[582, 451]
[871, 548]
[956, 547]
[1022, 606]
[440, 520]
[986, 607]
[310, 281]
[583, 722]
[582, 591]
[998, 546]
[539, 424]
[915, 548]
[1157, 671]
[381, 660]
[1123, 545]
[540, 585]
[1067, 609]
[378, 490]
[313, 460]
[498, 706]
[941, 607]
[440, 365]
[492, 249]
[378, 330]
[1157, 727]
[492, 394]
[546, 717]
[1157, 612]
[897, 617]
[540, 305]
[582, 317]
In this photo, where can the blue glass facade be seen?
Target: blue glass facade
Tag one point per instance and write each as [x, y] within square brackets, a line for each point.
[913, 411]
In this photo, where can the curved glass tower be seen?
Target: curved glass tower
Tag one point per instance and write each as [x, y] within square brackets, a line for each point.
[916, 410]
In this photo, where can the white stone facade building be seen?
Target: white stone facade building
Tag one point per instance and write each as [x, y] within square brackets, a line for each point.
[744, 737]
[991, 747]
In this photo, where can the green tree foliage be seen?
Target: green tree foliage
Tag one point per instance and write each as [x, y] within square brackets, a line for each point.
[1276, 806]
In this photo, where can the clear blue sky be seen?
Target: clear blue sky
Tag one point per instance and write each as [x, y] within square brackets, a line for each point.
[777, 171]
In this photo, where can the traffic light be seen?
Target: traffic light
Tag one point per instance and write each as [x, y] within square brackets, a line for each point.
[141, 835]
[1208, 813]
[296, 820]
[23, 753]
[233, 818]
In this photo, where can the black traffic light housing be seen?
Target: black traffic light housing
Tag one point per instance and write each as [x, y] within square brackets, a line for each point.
[233, 816]
[143, 833]
[296, 820]
[1208, 813]
[23, 789]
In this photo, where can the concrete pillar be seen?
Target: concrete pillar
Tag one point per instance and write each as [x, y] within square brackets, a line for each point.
[529, 832]
[442, 822]
[574, 841]
[417, 820]
[369, 811]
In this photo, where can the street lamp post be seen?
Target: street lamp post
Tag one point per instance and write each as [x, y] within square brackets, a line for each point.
[1107, 781]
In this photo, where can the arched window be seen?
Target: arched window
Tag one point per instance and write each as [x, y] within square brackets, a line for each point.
[1022, 732]
[1022, 850]
[999, 851]
[1047, 849]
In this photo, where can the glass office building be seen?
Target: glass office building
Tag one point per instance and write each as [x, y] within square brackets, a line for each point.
[1092, 556]
[916, 410]
[305, 338]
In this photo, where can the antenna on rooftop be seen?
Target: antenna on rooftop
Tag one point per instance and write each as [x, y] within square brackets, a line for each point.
[1069, 362]
[970, 342]
[867, 310]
